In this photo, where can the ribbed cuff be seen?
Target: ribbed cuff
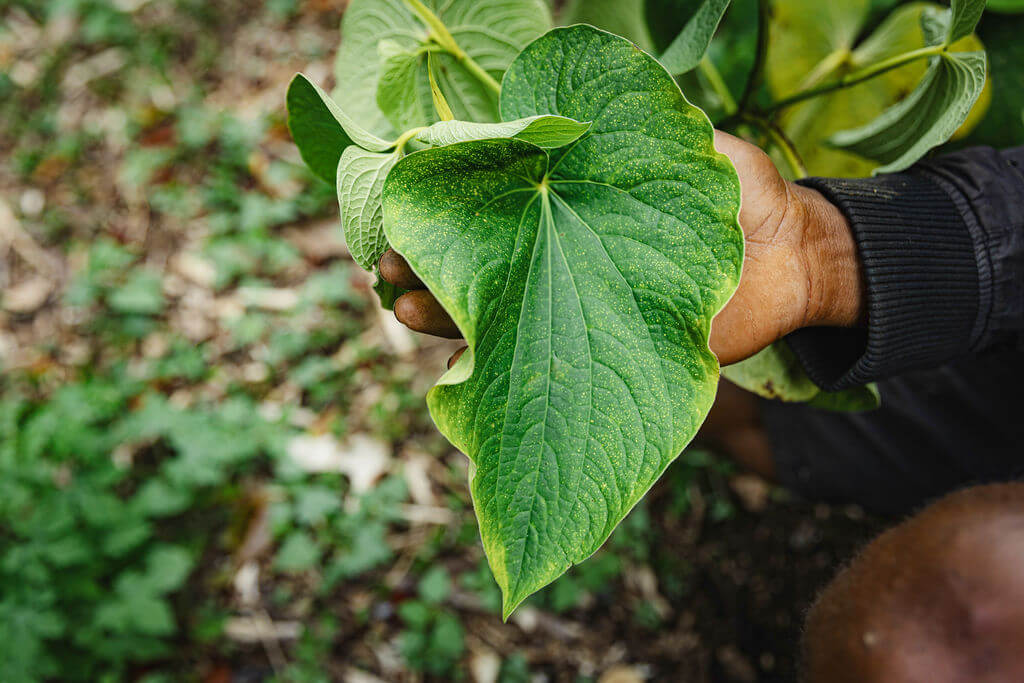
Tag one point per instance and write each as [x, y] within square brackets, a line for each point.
[922, 282]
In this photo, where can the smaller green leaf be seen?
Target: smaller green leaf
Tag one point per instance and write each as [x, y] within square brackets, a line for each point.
[906, 131]
[322, 130]
[402, 96]
[686, 51]
[167, 568]
[965, 16]
[435, 586]
[774, 373]
[360, 181]
[298, 552]
[141, 294]
[546, 131]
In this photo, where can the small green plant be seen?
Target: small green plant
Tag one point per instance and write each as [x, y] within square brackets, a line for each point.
[564, 202]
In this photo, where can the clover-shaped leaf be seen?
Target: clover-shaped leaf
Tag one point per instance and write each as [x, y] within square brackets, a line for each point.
[584, 280]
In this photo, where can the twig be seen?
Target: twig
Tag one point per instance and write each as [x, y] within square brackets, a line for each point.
[756, 74]
[856, 77]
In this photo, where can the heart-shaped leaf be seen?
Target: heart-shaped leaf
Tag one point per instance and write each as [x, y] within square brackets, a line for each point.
[322, 130]
[584, 280]
[549, 132]
[491, 33]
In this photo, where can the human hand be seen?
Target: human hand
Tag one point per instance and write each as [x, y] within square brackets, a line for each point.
[801, 267]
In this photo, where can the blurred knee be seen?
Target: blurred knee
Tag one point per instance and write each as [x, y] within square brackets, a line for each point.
[937, 599]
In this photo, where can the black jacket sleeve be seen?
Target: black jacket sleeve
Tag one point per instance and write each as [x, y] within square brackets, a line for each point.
[942, 247]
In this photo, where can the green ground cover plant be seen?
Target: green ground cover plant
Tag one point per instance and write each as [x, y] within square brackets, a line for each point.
[562, 199]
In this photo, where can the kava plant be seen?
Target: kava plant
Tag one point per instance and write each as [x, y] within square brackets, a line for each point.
[563, 200]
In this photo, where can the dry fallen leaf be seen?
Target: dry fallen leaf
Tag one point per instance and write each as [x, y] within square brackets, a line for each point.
[362, 459]
[28, 296]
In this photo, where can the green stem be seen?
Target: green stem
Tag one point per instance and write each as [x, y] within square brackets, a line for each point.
[438, 30]
[718, 84]
[478, 71]
[857, 76]
[443, 37]
[756, 74]
[782, 142]
[408, 135]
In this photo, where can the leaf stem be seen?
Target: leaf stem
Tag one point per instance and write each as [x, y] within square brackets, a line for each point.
[857, 76]
[718, 84]
[404, 139]
[756, 75]
[481, 74]
[443, 37]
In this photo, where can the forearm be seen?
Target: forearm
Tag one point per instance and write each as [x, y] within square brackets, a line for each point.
[941, 253]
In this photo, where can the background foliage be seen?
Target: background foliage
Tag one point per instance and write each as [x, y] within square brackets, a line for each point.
[215, 460]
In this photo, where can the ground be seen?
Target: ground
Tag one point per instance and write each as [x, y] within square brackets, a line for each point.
[215, 458]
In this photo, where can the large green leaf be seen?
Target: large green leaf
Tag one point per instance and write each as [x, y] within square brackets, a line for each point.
[689, 46]
[549, 132]
[322, 130]
[492, 32]
[584, 281]
[360, 185]
[813, 42]
[906, 131]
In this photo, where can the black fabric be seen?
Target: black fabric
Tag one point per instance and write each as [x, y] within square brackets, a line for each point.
[942, 248]
[937, 430]
[943, 253]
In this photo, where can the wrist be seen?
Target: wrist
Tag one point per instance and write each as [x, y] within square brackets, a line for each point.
[836, 287]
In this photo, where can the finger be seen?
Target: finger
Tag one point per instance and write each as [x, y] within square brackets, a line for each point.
[420, 312]
[456, 356]
[396, 270]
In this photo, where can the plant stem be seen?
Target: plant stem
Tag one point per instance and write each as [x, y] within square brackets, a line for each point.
[438, 30]
[718, 84]
[472, 67]
[857, 76]
[756, 74]
[780, 140]
[443, 37]
[408, 135]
